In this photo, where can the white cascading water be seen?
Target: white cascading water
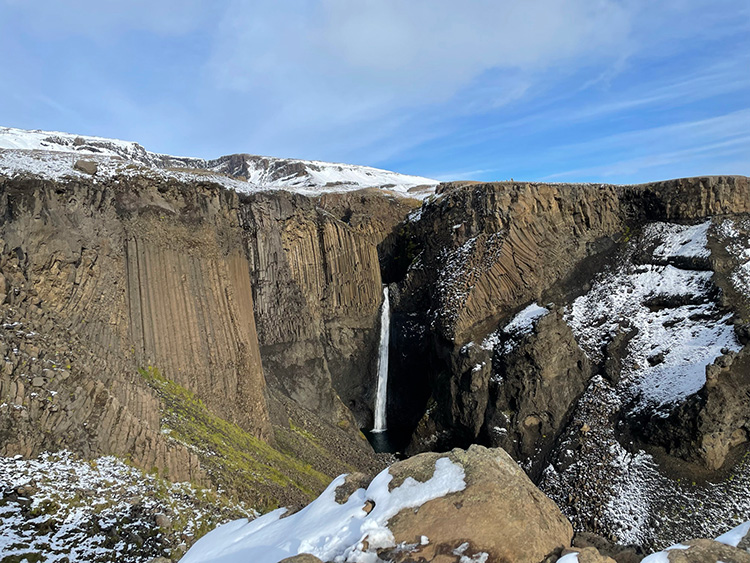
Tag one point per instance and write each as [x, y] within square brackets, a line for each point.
[382, 396]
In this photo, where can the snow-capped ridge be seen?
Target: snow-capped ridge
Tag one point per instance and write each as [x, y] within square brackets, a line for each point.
[52, 154]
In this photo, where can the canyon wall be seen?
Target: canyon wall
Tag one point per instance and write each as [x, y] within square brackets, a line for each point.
[99, 280]
[317, 291]
[485, 251]
[112, 278]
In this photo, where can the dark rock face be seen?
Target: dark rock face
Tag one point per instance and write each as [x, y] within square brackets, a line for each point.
[487, 250]
[318, 291]
[534, 386]
[709, 424]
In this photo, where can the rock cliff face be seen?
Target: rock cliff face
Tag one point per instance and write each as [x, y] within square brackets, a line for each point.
[103, 278]
[487, 250]
[191, 328]
[317, 290]
[537, 379]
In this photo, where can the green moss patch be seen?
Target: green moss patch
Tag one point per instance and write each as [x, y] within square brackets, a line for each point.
[237, 461]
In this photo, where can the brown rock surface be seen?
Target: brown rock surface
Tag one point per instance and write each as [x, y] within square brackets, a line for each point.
[301, 558]
[100, 278]
[500, 512]
[589, 555]
[317, 289]
[708, 551]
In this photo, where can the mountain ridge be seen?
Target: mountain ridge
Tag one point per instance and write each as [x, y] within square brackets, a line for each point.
[250, 172]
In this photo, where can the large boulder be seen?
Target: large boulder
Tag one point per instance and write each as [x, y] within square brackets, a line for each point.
[301, 558]
[463, 506]
[731, 547]
[701, 551]
[500, 513]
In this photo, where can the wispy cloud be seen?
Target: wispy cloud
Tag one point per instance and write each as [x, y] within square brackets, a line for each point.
[720, 139]
[331, 68]
[491, 88]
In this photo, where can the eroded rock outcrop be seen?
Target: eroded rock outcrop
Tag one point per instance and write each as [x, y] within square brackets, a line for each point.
[499, 513]
[488, 250]
[537, 379]
[103, 277]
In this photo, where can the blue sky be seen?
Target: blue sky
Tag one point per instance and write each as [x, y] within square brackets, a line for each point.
[575, 90]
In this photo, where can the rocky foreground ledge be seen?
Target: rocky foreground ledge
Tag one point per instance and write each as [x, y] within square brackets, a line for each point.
[464, 506]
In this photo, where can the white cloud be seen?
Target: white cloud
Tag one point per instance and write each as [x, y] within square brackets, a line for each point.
[429, 48]
[332, 65]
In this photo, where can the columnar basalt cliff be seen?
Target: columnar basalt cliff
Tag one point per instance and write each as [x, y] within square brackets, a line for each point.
[103, 279]
[595, 332]
[487, 250]
[317, 288]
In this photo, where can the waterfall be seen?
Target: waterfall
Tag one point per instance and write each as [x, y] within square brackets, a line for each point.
[382, 396]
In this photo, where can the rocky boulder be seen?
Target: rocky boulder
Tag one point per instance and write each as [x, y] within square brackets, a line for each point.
[463, 506]
[500, 513]
[700, 551]
[301, 558]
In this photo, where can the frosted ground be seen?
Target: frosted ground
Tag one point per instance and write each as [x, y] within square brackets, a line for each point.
[64, 509]
[681, 329]
[666, 359]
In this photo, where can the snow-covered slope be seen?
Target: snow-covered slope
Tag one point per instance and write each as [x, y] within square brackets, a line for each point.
[661, 300]
[344, 533]
[59, 508]
[53, 155]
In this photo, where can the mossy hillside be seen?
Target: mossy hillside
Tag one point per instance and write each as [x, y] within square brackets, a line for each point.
[251, 469]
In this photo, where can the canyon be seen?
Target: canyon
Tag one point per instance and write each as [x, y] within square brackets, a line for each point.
[220, 322]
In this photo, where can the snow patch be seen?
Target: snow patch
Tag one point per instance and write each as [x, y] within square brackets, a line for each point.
[734, 536]
[520, 325]
[731, 538]
[324, 528]
[523, 322]
[677, 326]
[683, 241]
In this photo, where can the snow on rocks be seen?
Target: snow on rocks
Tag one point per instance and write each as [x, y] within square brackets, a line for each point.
[329, 530]
[735, 236]
[474, 505]
[62, 508]
[674, 328]
[706, 550]
[520, 325]
[676, 324]
[687, 241]
[621, 493]
[523, 322]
